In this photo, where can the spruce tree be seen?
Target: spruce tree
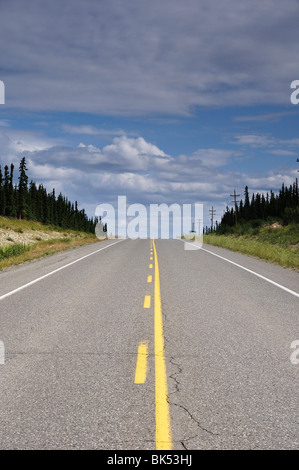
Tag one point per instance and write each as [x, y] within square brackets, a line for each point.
[6, 191]
[22, 190]
[2, 194]
[11, 194]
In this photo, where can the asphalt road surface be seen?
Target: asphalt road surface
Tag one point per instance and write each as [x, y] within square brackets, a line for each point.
[145, 345]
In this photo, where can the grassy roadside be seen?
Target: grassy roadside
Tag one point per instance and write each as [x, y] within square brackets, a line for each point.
[22, 241]
[279, 245]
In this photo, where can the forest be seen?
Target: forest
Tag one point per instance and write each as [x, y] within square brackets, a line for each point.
[254, 211]
[28, 201]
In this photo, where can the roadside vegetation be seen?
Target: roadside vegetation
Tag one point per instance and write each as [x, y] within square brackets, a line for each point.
[264, 226]
[275, 243]
[29, 201]
[25, 240]
[36, 223]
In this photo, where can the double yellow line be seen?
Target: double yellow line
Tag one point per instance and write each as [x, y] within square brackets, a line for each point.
[163, 427]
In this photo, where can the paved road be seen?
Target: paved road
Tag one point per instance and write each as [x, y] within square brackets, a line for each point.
[73, 378]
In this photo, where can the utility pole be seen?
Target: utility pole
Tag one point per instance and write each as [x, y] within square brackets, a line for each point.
[236, 207]
[297, 162]
[212, 212]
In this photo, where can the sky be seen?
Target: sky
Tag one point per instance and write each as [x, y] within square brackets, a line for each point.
[162, 101]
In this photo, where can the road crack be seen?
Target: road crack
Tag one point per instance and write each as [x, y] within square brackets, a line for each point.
[174, 376]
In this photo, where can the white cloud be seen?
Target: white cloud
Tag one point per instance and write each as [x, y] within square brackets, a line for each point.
[91, 130]
[135, 154]
[270, 181]
[254, 140]
[284, 153]
[18, 141]
[4, 123]
[213, 158]
[138, 169]
[139, 146]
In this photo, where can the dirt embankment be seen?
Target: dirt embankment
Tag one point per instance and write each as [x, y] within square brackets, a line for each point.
[9, 236]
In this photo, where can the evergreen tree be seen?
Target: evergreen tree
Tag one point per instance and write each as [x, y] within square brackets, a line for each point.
[246, 203]
[2, 194]
[36, 204]
[22, 190]
[11, 194]
[283, 206]
[6, 191]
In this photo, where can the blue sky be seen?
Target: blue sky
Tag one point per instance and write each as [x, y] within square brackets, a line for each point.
[160, 101]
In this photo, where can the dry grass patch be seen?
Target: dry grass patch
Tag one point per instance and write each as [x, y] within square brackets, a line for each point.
[23, 240]
[45, 248]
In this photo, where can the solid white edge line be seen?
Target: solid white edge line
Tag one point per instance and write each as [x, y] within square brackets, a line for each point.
[248, 270]
[56, 271]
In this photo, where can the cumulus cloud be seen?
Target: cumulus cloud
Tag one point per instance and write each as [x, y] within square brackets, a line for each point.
[136, 168]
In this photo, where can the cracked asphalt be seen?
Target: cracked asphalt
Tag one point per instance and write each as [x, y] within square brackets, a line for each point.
[71, 342]
[227, 339]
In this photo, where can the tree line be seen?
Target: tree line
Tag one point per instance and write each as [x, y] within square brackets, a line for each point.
[31, 202]
[258, 208]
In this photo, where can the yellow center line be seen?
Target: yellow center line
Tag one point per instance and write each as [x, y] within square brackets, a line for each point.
[141, 364]
[149, 278]
[151, 266]
[163, 425]
[147, 301]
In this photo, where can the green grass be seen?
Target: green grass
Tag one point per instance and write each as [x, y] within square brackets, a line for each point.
[280, 245]
[12, 250]
[17, 253]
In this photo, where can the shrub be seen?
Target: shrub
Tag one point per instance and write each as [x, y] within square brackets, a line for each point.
[13, 250]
